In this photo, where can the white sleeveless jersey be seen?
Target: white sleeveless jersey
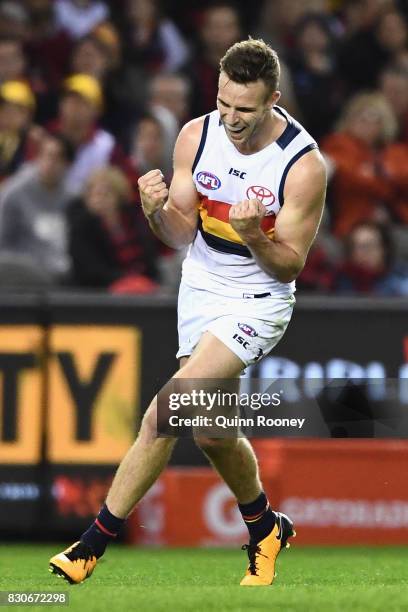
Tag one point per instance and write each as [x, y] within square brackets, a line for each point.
[218, 260]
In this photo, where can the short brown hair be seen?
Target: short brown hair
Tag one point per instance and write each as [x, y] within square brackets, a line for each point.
[250, 60]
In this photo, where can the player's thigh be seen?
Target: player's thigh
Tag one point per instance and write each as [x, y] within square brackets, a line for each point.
[211, 359]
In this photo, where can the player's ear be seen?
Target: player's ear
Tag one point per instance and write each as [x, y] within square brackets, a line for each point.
[275, 97]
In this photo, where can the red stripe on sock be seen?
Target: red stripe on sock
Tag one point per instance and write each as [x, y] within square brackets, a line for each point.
[254, 517]
[102, 528]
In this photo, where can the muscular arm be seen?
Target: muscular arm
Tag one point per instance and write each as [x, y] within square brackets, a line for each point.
[296, 224]
[172, 214]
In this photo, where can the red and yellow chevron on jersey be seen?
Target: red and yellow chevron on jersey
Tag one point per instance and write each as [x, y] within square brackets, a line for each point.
[214, 217]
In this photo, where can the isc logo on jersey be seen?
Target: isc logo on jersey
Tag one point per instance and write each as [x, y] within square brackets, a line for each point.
[208, 180]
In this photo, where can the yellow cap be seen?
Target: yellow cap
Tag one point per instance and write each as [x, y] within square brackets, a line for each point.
[86, 86]
[17, 92]
[107, 35]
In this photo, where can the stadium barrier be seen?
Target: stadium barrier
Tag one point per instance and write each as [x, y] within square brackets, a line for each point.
[77, 371]
[337, 492]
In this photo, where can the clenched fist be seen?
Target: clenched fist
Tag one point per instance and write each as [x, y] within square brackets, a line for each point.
[245, 218]
[153, 192]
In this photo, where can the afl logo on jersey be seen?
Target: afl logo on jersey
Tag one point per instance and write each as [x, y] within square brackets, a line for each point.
[208, 180]
[263, 194]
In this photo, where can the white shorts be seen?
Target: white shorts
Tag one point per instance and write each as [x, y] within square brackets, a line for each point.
[249, 327]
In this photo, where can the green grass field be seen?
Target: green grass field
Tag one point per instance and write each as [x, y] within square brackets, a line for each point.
[309, 580]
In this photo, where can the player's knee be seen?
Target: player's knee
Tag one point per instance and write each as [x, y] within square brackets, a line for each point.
[148, 428]
[215, 445]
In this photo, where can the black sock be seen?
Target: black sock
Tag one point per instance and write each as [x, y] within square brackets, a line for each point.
[103, 530]
[258, 517]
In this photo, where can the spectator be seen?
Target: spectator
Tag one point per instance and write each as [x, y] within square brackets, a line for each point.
[363, 55]
[361, 15]
[220, 28]
[394, 86]
[313, 68]
[80, 107]
[47, 46]
[110, 243]
[99, 55]
[33, 204]
[91, 56]
[79, 17]
[172, 91]
[13, 20]
[147, 149]
[152, 40]
[12, 60]
[318, 273]
[395, 167]
[360, 189]
[18, 137]
[369, 266]
[169, 103]
[392, 36]
[279, 19]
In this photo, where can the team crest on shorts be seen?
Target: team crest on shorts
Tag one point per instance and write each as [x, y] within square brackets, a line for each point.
[208, 180]
[247, 329]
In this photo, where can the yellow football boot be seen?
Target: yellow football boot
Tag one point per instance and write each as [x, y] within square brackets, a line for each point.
[262, 556]
[75, 564]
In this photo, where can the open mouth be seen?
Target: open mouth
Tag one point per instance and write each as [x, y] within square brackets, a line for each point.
[235, 131]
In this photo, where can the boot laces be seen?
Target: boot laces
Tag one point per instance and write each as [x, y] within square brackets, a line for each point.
[81, 552]
[253, 550]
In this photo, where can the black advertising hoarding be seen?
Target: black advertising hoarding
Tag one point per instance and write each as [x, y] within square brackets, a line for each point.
[78, 371]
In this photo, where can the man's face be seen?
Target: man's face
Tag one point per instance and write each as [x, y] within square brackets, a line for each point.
[14, 117]
[243, 108]
[100, 197]
[367, 249]
[12, 63]
[89, 59]
[76, 110]
[367, 125]
[148, 142]
[220, 29]
[171, 92]
[51, 161]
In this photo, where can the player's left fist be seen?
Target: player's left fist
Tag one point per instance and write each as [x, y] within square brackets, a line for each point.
[245, 218]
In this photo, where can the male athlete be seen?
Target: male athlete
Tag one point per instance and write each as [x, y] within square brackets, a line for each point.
[247, 196]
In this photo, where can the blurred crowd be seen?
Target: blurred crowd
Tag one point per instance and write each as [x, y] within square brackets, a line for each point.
[94, 92]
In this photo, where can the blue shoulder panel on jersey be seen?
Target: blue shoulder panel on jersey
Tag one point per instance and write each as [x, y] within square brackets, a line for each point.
[288, 166]
[202, 143]
[291, 131]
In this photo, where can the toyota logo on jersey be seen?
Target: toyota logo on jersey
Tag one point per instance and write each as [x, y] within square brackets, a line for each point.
[263, 194]
[208, 180]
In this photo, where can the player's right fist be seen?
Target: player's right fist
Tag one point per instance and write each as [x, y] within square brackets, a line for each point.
[153, 192]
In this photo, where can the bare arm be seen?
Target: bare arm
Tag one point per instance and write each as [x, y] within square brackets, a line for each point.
[172, 214]
[296, 224]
